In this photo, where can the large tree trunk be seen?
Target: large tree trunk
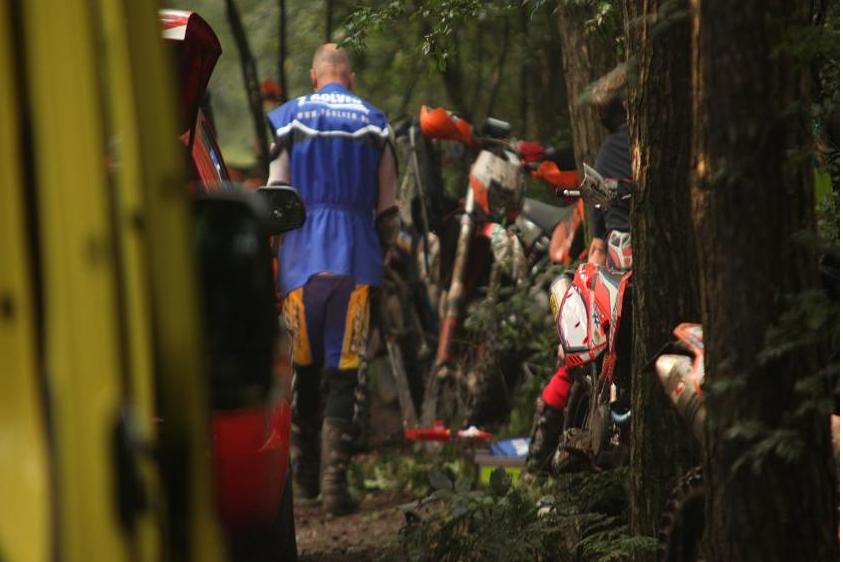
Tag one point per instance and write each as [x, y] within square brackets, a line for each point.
[665, 291]
[250, 82]
[750, 196]
[586, 56]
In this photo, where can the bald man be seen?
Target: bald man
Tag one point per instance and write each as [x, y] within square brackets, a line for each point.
[334, 148]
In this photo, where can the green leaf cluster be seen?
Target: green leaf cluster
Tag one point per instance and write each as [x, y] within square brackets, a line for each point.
[810, 322]
[517, 326]
[578, 518]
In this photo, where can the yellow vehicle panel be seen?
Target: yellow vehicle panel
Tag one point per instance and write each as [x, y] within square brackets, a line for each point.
[109, 232]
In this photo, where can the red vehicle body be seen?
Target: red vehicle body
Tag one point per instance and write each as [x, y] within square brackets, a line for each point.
[251, 444]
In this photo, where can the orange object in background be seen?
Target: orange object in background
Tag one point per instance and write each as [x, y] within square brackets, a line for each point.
[550, 173]
[566, 243]
[441, 124]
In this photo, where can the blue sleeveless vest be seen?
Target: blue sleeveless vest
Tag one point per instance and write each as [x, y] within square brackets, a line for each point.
[335, 141]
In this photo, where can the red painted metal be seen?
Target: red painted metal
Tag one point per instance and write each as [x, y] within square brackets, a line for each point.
[251, 456]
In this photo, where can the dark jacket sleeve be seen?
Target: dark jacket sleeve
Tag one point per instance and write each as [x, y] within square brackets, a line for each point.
[597, 219]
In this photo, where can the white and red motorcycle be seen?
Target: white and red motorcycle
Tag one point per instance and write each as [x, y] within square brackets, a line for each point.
[595, 337]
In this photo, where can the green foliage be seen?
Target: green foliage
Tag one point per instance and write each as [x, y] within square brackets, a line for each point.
[404, 472]
[578, 518]
[518, 325]
[825, 114]
[519, 322]
[400, 51]
[810, 322]
[441, 21]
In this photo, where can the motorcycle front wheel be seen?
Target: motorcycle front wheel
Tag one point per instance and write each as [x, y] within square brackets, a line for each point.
[573, 452]
[683, 520]
[444, 399]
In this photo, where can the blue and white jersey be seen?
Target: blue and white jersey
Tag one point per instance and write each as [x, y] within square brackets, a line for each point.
[335, 141]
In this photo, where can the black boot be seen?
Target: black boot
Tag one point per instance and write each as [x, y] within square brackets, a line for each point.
[337, 441]
[544, 437]
[304, 433]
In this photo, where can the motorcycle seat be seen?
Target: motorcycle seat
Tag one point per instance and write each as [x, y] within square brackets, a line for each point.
[543, 215]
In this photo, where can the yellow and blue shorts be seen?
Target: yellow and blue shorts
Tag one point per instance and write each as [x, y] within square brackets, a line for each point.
[329, 320]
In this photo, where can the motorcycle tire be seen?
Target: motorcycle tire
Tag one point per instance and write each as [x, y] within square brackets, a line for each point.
[601, 422]
[572, 455]
[683, 520]
[577, 408]
[489, 388]
[444, 400]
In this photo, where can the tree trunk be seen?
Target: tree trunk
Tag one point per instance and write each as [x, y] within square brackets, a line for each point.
[665, 292]
[526, 55]
[250, 82]
[548, 96]
[750, 195]
[497, 75]
[586, 56]
[282, 48]
[329, 19]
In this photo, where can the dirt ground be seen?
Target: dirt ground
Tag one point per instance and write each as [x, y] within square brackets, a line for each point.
[370, 534]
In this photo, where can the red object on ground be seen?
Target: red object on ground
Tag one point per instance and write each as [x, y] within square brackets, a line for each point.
[439, 433]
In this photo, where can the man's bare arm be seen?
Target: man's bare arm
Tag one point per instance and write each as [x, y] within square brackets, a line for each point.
[387, 180]
[279, 169]
[387, 222]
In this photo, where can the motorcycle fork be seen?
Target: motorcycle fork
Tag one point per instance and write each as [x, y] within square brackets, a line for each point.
[456, 292]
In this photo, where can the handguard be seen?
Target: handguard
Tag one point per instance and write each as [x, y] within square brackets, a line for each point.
[388, 225]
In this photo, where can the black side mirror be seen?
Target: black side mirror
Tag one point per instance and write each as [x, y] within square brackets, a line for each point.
[238, 297]
[286, 208]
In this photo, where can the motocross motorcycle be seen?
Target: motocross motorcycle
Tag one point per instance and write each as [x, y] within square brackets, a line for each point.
[595, 334]
[478, 247]
[404, 329]
[404, 325]
[680, 368]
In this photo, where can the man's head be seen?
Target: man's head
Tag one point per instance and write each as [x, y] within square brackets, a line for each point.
[608, 97]
[331, 64]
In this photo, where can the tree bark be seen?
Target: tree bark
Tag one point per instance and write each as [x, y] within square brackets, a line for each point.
[329, 19]
[452, 78]
[665, 292]
[497, 74]
[586, 56]
[749, 197]
[524, 106]
[282, 48]
[250, 82]
[548, 96]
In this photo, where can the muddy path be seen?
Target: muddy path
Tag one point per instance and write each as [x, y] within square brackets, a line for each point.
[371, 533]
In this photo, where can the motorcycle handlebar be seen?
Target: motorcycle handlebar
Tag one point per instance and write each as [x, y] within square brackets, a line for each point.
[568, 193]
